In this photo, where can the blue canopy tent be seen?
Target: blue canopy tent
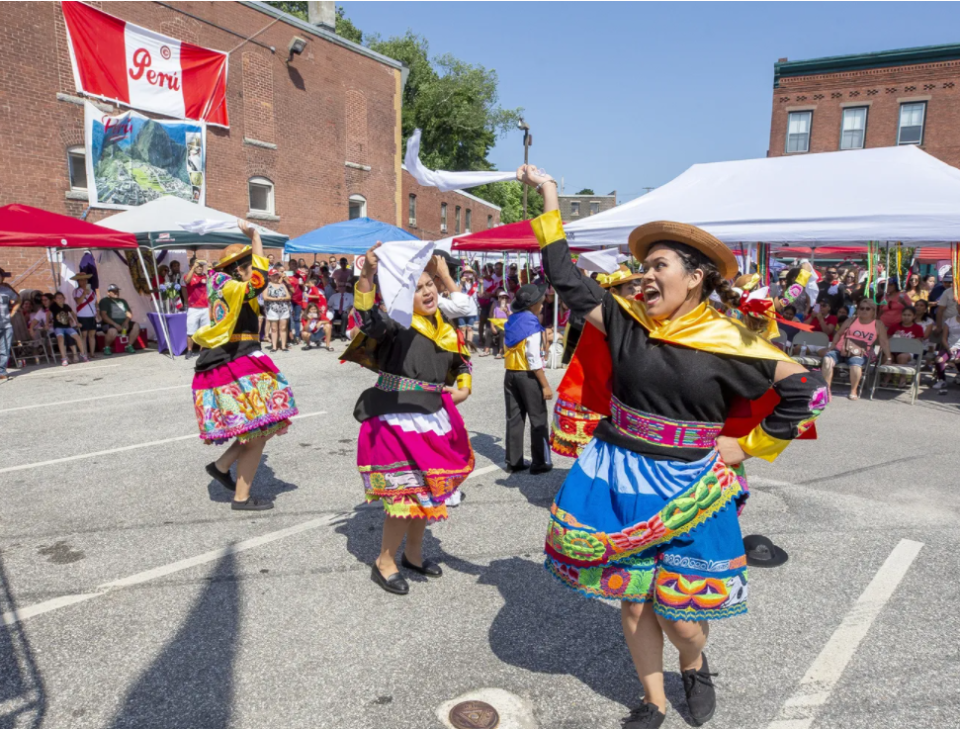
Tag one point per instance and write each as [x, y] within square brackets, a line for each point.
[351, 236]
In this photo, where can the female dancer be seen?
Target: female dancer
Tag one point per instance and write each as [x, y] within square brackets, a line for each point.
[237, 391]
[414, 451]
[648, 513]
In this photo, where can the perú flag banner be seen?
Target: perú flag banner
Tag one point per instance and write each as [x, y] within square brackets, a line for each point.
[121, 62]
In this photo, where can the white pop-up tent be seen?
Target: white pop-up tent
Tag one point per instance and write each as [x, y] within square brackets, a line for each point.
[884, 194]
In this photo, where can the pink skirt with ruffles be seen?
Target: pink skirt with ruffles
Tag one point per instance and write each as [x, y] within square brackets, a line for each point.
[247, 398]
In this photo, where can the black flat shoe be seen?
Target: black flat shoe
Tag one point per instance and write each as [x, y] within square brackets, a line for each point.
[645, 716]
[428, 568]
[224, 479]
[394, 583]
[251, 504]
[537, 470]
[514, 469]
[701, 694]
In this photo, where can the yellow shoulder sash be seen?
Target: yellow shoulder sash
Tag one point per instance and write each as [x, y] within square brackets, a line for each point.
[440, 332]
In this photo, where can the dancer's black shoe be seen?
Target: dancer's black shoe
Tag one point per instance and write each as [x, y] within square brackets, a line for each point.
[394, 583]
[428, 568]
[645, 716]
[701, 694]
[251, 504]
[224, 479]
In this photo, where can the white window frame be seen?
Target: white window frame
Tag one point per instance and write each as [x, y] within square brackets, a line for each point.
[862, 130]
[80, 152]
[468, 221]
[807, 134]
[271, 201]
[923, 121]
[594, 207]
[443, 217]
[363, 205]
[574, 208]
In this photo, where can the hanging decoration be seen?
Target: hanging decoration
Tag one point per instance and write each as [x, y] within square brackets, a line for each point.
[873, 260]
[763, 263]
[955, 262]
[901, 275]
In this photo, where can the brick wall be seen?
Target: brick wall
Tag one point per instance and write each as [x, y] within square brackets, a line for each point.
[881, 90]
[328, 104]
[429, 202]
[575, 207]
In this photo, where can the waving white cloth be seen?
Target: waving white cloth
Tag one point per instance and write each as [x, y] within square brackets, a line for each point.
[446, 181]
[401, 263]
[202, 227]
[606, 260]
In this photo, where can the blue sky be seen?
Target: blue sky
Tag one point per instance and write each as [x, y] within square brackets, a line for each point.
[628, 95]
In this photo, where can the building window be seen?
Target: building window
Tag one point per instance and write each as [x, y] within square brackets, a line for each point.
[594, 208]
[798, 131]
[412, 211]
[456, 220]
[77, 164]
[443, 217]
[489, 222]
[469, 221]
[853, 130]
[358, 207]
[574, 208]
[911, 123]
[261, 195]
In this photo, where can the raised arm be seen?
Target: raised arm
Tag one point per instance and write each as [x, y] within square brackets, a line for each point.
[373, 322]
[581, 294]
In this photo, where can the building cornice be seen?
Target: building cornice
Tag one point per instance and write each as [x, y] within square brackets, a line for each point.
[863, 61]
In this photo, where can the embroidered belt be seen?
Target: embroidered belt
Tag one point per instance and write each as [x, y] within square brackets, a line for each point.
[396, 383]
[660, 431]
[244, 337]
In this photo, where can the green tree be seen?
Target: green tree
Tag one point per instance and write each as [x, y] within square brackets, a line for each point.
[344, 26]
[586, 191]
[509, 196]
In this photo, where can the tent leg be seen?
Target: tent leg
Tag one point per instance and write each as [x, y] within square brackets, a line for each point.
[552, 359]
[156, 305]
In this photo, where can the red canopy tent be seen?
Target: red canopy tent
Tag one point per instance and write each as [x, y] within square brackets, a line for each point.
[511, 237]
[27, 227]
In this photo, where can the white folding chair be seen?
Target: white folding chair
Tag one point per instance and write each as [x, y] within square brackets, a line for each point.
[813, 340]
[901, 345]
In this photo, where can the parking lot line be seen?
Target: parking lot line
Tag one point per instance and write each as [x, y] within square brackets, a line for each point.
[19, 615]
[71, 370]
[135, 446]
[821, 678]
[91, 399]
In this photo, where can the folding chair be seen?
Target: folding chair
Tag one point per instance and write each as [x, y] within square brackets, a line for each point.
[814, 340]
[902, 345]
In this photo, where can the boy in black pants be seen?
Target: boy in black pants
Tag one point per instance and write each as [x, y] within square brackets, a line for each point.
[525, 386]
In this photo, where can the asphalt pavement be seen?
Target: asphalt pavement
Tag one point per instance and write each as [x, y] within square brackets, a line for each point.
[134, 597]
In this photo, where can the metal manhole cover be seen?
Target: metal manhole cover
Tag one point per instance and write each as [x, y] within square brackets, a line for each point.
[474, 715]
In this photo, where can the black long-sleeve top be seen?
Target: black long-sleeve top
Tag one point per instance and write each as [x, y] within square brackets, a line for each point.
[652, 375]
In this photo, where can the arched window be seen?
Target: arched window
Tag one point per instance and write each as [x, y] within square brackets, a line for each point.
[358, 207]
[261, 195]
[77, 167]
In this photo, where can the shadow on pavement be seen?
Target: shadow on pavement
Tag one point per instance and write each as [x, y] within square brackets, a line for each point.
[265, 484]
[190, 684]
[489, 446]
[23, 698]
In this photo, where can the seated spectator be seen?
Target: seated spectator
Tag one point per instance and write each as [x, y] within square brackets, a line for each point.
[116, 319]
[40, 324]
[949, 350]
[823, 320]
[65, 325]
[907, 328]
[853, 344]
[893, 305]
[315, 328]
[914, 290]
[339, 305]
[923, 318]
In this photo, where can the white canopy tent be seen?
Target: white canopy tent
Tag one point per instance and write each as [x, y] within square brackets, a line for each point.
[884, 194]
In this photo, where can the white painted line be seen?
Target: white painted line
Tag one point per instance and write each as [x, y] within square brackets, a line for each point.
[485, 469]
[71, 370]
[822, 677]
[136, 446]
[15, 616]
[91, 399]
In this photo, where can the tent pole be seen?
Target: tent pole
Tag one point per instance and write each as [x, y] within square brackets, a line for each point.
[552, 359]
[156, 305]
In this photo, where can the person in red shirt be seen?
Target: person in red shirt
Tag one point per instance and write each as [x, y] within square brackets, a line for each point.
[823, 320]
[198, 305]
[315, 326]
[295, 280]
[908, 329]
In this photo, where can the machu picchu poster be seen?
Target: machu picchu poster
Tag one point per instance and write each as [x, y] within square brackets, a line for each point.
[132, 159]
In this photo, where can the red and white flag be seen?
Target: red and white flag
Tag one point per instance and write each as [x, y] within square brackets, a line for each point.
[119, 61]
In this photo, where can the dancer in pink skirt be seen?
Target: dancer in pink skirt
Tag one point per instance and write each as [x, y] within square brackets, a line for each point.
[238, 393]
[414, 451]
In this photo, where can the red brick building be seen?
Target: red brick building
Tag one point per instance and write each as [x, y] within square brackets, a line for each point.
[430, 214]
[311, 142]
[907, 96]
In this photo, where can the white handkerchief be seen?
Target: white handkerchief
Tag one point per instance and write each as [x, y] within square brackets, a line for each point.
[400, 265]
[606, 260]
[202, 227]
[446, 181]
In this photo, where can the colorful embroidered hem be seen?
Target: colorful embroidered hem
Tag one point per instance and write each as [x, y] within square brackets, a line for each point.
[661, 431]
[572, 428]
[410, 507]
[396, 383]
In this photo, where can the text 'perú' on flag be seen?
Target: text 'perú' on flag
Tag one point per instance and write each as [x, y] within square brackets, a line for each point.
[119, 61]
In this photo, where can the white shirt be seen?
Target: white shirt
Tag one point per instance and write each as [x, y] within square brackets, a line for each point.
[534, 360]
[457, 306]
[91, 307]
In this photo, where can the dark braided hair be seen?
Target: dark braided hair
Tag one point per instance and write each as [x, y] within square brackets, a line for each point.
[233, 270]
[713, 280]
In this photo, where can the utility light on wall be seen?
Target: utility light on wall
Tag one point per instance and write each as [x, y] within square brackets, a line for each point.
[296, 46]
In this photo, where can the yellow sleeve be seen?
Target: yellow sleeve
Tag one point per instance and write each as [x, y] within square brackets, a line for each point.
[465, 381]
[548, 228]
[760, 444]
[364, 300]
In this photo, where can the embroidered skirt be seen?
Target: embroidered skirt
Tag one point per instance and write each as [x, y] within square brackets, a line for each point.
[628, 527]
[247, 398]
[413, 463]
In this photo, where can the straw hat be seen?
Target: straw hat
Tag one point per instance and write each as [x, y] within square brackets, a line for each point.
[81, 275]
[232, 253]
[643, 238]
[620, 276]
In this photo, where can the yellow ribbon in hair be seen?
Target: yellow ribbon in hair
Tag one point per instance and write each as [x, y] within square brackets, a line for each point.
[232, 294]
[606, 280]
